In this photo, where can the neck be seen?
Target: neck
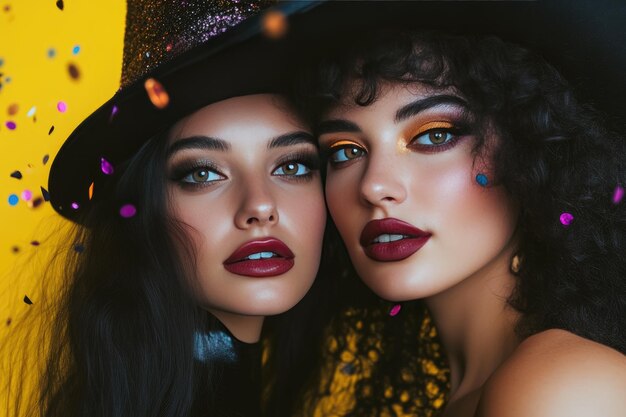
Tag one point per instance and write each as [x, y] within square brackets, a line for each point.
[476, 325]
[245, 328]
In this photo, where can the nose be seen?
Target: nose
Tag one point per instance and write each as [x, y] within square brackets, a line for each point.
[257, 206]
[382, 182]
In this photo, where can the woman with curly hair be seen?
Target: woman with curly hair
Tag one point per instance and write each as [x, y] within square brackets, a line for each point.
[462, 171]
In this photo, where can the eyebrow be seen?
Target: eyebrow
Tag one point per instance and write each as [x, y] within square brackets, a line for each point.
[198, 142]
[420, 105]
[336, 125]
[290, 139]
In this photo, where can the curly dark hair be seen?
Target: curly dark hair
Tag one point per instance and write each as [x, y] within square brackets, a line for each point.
[555, 156]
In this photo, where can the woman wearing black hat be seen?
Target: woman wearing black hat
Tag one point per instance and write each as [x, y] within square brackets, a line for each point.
[463, 171]
[199, 210]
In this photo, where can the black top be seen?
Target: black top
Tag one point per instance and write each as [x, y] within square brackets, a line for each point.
[229, 380]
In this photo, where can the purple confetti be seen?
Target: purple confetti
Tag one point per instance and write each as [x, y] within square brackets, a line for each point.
[127, 211]
[566, 219]
[106, 166]
[10, 125]
[618, 194]
[34, 243]
[27, 195]
[62, 106]
[75, 205]
[395, 310]
[113, 112]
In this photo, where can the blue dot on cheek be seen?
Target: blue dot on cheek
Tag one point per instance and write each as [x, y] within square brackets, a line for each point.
[482, 180]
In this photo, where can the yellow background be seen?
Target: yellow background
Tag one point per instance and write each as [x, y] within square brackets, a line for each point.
[30, 77]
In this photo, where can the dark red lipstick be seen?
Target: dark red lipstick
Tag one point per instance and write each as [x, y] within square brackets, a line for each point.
[280, 261]
[383, 250]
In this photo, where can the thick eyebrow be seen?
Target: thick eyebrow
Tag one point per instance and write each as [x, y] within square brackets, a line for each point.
[337, 125]
[420, 105]
[198, 142]
[290, 139]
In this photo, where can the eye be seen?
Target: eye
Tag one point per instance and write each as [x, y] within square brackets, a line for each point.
[434, 137]
[201, 175]
[346, 153]
[295, 169]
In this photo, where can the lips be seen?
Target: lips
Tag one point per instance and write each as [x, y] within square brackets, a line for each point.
[389, 240]
[260, 258]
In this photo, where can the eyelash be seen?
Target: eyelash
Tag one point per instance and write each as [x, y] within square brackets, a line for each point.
[182, 171]
[457, 131]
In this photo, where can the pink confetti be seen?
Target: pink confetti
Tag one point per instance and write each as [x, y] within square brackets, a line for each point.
[61, 106]
[618, 194]
[27, 195]
[106, 166]
[127, 211]
[10, 125]
[75, 205]
[566, 219]
[395, 310]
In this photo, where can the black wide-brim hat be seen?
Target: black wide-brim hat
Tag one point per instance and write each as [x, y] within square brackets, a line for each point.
[584, 39]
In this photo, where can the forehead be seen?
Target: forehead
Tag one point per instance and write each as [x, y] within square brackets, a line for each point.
[259, 116]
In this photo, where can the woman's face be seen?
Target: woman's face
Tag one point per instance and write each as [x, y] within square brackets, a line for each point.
[402, 190]
[244, 180]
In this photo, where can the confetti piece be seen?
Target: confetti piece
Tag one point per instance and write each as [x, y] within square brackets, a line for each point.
[51, 52]
[78, 248]
[45, 159]
[36, 202]
[127, 211]
[60, 4]
[566, 219]
[16, 174]
[45, 194]
[91, 190]
[168, 48]
[75, 205]
[27, 195]
[10, 125]
[274, 24]
[51, 130]
[395, 310]
[27, 300]
[73, 70]
[15, 249]
[106, 166]
[113, 112]
[618, 194]
[13, 199]
[61, 106]
[157, 94]
[76, 49]
[482, 180]
[34, 243]
[31, 112]
[13, 109]
[9, 321]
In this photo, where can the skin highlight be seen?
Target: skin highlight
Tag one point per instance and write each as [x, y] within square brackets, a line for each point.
[241, 188]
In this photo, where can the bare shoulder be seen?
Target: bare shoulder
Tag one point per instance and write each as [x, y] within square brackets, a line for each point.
[557, 373]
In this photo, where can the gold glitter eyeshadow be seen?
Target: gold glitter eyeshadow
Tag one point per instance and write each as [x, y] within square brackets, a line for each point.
[432, 125]
[342, 143]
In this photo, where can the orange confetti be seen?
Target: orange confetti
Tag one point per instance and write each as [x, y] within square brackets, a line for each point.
[13, 108]
[274, 24]
[157, 94]
[91, 191]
